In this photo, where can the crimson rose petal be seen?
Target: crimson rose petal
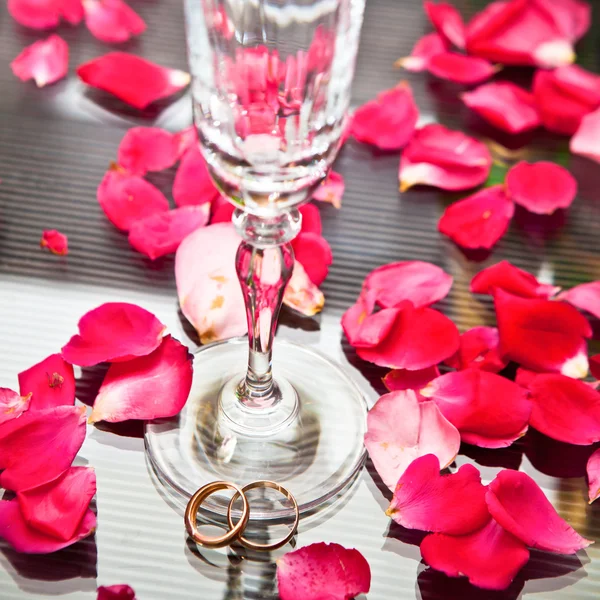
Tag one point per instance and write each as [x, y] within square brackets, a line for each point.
[134, 80]
[311, 219]
[489, 557]
[114, 332]
[585, 141]
[585, 297]
[115, 592]
[323, 571]
[593, 473]
[468, 70]
[126, 198]
[480, 220]
[39, 446]
[144, 149]
[148, 387]
[452, 504]
[505, 105]
[478, 350]
[331, 190]
[447, 21]
[444, 158]
[401, 379]
[518, 504]
[193, 184]
[162, 233]
[595, 366]
[50, 383]
[542, 335]
[389, 121]
[401, 428]
[314, 253]
[425, 48]
[12, 405]
[45, 61]
[112, 20]
[565, 409]
[55, 241]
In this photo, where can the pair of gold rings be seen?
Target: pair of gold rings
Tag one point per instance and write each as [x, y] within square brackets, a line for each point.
[235, 530]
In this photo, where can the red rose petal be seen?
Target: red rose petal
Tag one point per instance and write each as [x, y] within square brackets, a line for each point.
[447, 21]
[565, 409]
[443, 158]
[114, 332]
[480, 220]
[400, 428]
[126, 198]
[488, 410]
[314, 253]
[221, 213]
[311, 219]
[45, 61]
[389, 121]
[134, 80]
[57, 508]
[302, 294]
[468, 70]
[187, 139]
[115, 592]
[489, 557]
[36, 14]
[55, 241]
[593, 474]
[519, 505]
[193, 184]
[507, 277]
[149, 387]
[595, 366]
[425, 48]
[541, 187]
[331, 190]
[28, 540]
[323, 571]
[71, 11]
[585, 141]
[375, 328]
[162, 233]
[505, 105]
[12, 405]
[50, 383]
[478, 350]
[425, 500]
[542, 335]
[585, 297]
[39, 446]
[400, 379]
[144, 149]
[112, 20]
[564, 96]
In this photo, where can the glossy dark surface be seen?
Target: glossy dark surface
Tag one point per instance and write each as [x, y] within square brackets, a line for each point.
[55, 145]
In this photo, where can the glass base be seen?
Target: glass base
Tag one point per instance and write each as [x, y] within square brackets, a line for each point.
[311, 442]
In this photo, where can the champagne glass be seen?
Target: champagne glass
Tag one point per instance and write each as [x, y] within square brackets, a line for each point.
[271, 88]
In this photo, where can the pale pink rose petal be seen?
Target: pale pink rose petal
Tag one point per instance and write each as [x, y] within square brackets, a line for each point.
[301, 294]
[112, 20]
[55, 241]
[114, 332]
[518, 504]
[489, 557]
[478, 350]
[593, 473]
[447, 21]
[401, 379]
[45, 61]
[12, 405]
[585, 296]
[426, 47]
[115, 592]
[50, 383]
[331, 190]
[401, 428]
[425, 500]
[323, 571]
[149, 387]
[193, 184]
[144, 149]
[586, 141]
[467, 70]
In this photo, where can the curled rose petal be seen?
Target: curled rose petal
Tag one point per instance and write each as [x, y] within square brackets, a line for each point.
[45, 61]
[541, 187]
[126, 198]
[45, 14]
[443, 158]
[565, 409]
[400, 379]
[55, 241]
[149, 387]
[585, 297]
[114, 332]
[112, 20]
[389, 121]
[57, 508]
[161, 234]
[480, 220]
[468, 70]
[28, 540]
[331, 190]
[115, 592]
[193, 184]
[518, 504]
[134, 80]
[542, 335]
[375, 328]
[50, 383]
[314, 253]
[585, 141]
[452, 504]
[400, 428]
[425, 48]
[12, 405]
[323, 571]
[593, 474]
[507, 277]
[505, 105]
[301, 294]
[144, 149]
[39, 446]
[447, 21]
[311, 219]
[478, 350]
[489, 557]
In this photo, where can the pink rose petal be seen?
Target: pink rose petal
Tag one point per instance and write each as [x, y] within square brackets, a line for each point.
[187, 139]
[468, 70]
[478, 350]
[114, 332]
[375, 328]
[45, 61]
[331, 190]
[314, 253]
[593, 473]
[585, 141]
[150, 387]
[400, 379]
[55, 241]
[144, 149]
[311, 219]
[112, 20]
[193, 184]
[327, 571]
[585, 296]
[45, 14]
[12, 405]
[518, 504]
[447, 21]
[50, 383]
[400, 428]
[115, 592]
[301, 294]
[426, 47]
